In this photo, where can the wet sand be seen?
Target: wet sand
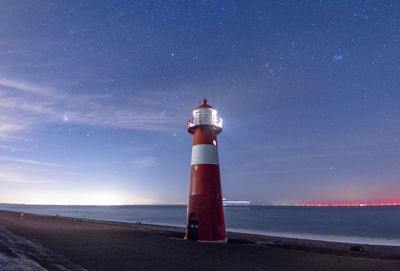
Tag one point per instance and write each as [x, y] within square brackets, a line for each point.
[54, 242]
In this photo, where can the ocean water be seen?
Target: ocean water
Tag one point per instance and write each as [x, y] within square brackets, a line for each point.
[364, 225]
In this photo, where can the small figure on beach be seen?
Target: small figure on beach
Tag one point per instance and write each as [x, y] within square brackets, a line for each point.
[22, 214]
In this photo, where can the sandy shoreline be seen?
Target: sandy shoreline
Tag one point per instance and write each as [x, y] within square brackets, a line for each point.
[104, 245]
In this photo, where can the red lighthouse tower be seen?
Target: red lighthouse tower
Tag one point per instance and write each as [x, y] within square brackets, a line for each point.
[205, 216]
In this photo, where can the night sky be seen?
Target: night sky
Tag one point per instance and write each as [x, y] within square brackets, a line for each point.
[95, 98]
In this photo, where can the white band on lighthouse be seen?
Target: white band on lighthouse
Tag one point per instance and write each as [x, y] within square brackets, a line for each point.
[204, 154]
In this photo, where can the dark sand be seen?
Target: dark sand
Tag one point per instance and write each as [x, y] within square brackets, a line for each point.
[123, 246]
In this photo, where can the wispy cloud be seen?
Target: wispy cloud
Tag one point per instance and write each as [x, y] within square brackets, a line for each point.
[7, 148]
[14, 177]
[138, 113]
[28, 161]
[20, 112]
[144, 162]
[7, 128]
[22, 86]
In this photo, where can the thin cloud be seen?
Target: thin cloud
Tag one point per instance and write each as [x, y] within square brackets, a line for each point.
[6, 128]
[144, 162]
[10, 148]
[6, 147]
[29, 161]
[136, 115]
[12, 177]
[21, 113]
[22, 86]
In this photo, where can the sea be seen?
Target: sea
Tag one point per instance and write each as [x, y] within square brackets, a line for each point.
[364, 225]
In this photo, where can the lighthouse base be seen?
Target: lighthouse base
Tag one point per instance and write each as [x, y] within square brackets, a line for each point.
[223, 241]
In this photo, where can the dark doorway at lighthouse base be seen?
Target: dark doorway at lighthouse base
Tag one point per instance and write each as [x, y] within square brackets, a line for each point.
[193, 227]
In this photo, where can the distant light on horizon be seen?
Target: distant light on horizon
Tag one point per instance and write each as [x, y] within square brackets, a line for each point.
[349, 204]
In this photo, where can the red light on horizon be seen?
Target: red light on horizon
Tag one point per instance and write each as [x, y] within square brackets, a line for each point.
[349, 204]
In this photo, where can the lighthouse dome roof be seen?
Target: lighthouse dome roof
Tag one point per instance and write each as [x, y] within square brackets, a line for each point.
[204, 105]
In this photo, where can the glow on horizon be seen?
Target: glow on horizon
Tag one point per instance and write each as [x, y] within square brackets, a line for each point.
[100, 197]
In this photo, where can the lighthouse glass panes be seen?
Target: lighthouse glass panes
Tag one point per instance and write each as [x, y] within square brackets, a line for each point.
[205, 116]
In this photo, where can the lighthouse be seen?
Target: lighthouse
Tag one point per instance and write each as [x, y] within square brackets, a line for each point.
[205, 214]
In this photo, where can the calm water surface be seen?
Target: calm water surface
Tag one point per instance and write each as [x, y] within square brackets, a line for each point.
[374, 225]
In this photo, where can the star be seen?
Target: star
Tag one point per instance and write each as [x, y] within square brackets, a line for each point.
[338, 57]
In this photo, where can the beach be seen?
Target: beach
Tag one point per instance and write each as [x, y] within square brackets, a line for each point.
[59, 243]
